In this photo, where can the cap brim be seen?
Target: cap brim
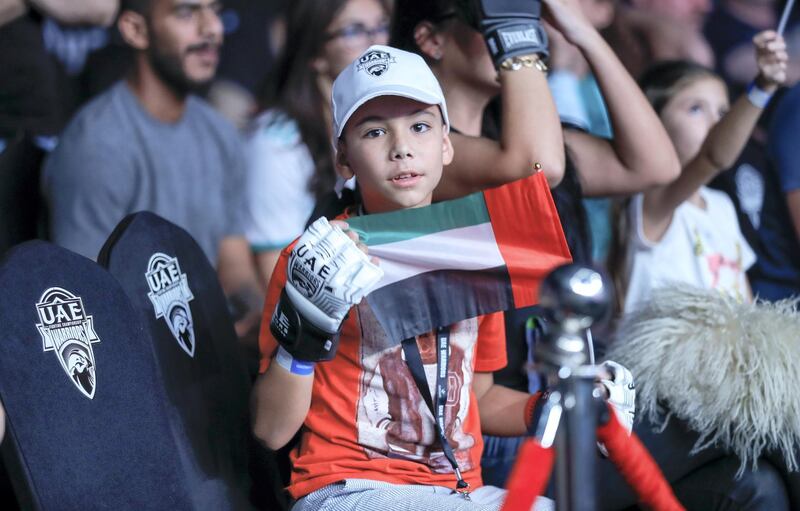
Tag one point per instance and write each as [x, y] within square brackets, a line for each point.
[394, 90]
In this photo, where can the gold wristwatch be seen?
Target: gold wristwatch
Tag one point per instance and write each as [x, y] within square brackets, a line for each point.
[517, 63]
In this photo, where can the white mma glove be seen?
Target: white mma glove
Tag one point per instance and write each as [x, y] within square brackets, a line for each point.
[621, 393]
[326, 275]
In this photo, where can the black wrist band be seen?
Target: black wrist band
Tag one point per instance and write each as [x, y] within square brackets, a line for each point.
[301, 338]
[507, 41]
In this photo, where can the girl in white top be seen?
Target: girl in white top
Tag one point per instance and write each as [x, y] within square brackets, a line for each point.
[683, 231]
[289, 152]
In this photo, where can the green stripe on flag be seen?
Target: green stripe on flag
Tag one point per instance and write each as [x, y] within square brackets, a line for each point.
[405, 224]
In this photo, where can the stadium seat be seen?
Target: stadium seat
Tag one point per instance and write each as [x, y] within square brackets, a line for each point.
[176, 294]
[87, 419]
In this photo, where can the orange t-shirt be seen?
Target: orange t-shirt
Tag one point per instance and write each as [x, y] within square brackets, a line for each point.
[367, 418]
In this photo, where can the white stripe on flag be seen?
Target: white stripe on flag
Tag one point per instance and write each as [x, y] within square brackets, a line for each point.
[466, 248]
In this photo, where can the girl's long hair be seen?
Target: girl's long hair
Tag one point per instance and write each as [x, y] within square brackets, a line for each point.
[659, 83]
[293, 87]
[407, 14]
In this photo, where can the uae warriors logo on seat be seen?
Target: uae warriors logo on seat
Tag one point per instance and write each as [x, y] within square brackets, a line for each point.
[69, 331]
[375, 62]
[170, 295]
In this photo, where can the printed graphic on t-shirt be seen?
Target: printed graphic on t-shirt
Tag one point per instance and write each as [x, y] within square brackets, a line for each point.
[393, 419]
[723, 272]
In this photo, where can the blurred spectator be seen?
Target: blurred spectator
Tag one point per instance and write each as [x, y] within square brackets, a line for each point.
[753, 183]
[248, 54]
[692, 12]
[683, 231]
[755, 189]
[149, 144]
[246, 58]
[105, 66]
[33, 103]
[777, 221]
[785, 151]
[32, 113]
[290, 156]
[580, 106]
[730, 28]
[647, 31]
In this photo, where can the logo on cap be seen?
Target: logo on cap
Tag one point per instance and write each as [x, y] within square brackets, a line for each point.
[170, 295]
[69, 331]
[375, 62]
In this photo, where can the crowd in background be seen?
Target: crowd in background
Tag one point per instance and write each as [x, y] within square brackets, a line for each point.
[272, 82]
[217, 116]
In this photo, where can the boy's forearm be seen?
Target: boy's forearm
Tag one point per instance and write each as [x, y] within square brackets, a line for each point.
[502, 411]
[280, 402]
[93, 12]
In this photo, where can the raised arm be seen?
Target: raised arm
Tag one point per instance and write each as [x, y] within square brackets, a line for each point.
[93, 12]
[640, 154]
[530, 133]
[11, 10]
[724, 142]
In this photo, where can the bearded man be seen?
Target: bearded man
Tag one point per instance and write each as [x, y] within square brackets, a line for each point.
[150, 143]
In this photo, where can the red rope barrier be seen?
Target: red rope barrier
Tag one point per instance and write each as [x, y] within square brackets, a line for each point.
[531, 472]
[529, 477]
[637, 466]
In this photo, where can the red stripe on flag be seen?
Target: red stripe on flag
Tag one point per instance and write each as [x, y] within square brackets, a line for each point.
[528, 233]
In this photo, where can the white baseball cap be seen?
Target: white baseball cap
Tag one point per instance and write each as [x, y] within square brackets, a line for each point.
[383, 71]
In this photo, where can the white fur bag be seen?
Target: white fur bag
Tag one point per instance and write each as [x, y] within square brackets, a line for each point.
[730, 369]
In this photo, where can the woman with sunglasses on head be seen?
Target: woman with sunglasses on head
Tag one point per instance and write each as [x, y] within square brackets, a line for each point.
[290, 158]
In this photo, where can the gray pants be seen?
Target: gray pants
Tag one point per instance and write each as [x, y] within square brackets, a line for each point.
[369, 495]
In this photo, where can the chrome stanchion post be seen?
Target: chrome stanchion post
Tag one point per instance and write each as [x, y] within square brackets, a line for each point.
[575, 297]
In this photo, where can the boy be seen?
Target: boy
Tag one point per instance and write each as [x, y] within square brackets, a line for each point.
[369, 440]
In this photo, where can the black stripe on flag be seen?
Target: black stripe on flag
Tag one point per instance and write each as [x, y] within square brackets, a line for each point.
[419, 304]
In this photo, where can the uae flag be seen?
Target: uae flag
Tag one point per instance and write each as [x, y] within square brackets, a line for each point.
[458, 259]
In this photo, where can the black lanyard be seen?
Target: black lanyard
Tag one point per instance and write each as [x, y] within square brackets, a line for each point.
[414, 363]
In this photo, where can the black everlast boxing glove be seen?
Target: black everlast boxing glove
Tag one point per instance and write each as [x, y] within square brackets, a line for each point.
[326, 275]
[511, 28]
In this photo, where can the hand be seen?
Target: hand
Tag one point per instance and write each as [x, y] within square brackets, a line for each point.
[564, 56]
[772, 60]
[621, 392]
[511, 28]
[327, 274]
[568, 18]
